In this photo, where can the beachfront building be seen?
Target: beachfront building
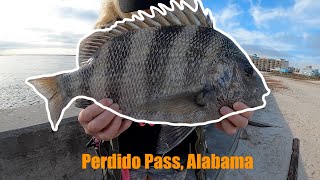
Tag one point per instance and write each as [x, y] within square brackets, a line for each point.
[308, 71]
[284, 64]
[268, 64]
[294, 70]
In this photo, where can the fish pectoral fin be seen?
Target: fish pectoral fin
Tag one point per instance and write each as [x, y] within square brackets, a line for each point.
[83, 103]
[175, 105]
[206, 96]
[171, 136]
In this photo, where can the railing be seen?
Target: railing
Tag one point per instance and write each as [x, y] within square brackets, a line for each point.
[39, 153]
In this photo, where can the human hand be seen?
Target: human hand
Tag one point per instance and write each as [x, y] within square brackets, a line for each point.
[232, 123]
[101, 123]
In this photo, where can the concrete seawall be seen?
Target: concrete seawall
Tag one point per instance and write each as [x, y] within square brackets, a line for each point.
[37, 152]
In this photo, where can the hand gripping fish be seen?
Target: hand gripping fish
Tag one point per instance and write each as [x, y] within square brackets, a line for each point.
[171, 66]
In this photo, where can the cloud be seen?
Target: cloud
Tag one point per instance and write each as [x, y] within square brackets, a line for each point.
[53, 43]
[45, 24]
[261, 15]
[303, 60]
[268, 45]
[302, 13]
[66, 38]
[277, 32]
[252, 40]
[56, 26]
[313, 41]
[265, 51]
[226, 16]
[306, 7]
[39, 50]
[4, 45]
[69, 12]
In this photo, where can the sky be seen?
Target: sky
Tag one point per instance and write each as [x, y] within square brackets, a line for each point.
[288, 29]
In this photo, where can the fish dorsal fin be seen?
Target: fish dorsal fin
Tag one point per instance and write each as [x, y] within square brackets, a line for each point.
[183, 13]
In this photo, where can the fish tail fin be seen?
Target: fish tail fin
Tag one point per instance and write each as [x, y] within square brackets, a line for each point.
[49, 88]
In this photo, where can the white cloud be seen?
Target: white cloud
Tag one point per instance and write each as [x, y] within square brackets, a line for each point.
[262, 42]
[283, 44]
[49, 50]
[303, 6]
[261, 15]
[258, 38]
[226, 16]
[302, 61]
[33, 21]
[302, 13]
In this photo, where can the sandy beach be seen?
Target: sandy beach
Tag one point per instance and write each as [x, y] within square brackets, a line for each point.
[299, 102]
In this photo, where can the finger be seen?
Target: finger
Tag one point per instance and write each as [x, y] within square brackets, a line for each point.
[102, 120]
[237, 120]
[92, 111]
[219, 126]
[110, 132]
[124, 126]
[228, 127]
[238, 106]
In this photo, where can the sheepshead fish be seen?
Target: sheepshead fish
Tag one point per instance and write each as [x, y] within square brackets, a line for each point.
[173, 67]
[177, 74]
[182, 73]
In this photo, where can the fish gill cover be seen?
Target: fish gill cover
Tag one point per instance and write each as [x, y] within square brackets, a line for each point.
[172, 66]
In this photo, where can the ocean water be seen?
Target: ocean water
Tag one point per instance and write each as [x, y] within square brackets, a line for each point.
[15, 69]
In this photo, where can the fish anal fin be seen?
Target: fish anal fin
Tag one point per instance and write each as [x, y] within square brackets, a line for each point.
[171, 136]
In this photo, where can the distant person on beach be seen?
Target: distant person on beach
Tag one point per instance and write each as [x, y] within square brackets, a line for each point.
[138, 138]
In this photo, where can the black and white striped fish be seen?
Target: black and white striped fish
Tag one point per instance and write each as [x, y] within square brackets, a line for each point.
[179, 74]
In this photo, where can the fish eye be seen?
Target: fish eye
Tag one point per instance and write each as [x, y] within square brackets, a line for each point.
[248, 70]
